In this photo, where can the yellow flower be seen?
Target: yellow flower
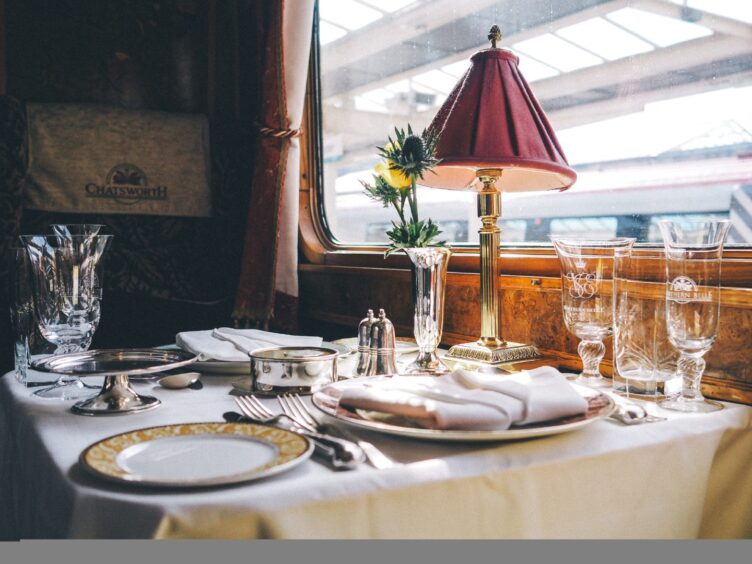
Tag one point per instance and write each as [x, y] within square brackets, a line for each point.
[394, 178]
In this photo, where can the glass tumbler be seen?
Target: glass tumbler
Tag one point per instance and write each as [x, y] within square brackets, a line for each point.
[28, 343]
[644, 358]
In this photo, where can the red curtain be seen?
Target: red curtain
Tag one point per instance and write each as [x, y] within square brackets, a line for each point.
[267, 289]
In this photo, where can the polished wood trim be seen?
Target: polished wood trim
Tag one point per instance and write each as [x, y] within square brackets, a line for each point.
[730, 296]
[337, 297]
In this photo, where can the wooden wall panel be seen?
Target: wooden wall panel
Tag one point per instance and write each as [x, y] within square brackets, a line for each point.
[338, 297]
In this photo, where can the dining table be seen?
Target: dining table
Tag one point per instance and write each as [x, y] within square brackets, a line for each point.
[684, 477]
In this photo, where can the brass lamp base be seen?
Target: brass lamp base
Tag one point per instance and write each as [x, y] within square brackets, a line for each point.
[508, 352]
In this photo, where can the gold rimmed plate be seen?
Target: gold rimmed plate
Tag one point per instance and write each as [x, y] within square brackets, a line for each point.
[600, 406]
[193, 455]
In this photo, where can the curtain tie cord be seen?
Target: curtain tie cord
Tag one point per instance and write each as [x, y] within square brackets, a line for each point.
[279, 133]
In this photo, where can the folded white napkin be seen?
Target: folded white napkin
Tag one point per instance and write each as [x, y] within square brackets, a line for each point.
[234, 345]
[470, 400]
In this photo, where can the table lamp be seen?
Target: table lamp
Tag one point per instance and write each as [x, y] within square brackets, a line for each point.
[494, 137]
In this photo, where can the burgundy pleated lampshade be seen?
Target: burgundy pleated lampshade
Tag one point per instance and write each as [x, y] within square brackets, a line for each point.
[492, 120]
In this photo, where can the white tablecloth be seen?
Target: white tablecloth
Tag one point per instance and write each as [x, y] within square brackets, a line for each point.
[684, 478]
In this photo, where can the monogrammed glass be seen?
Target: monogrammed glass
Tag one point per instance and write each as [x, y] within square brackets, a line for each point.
[693, 303]
[587, 268]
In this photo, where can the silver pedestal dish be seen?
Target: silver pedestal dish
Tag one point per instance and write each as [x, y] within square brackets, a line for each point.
[116, 365]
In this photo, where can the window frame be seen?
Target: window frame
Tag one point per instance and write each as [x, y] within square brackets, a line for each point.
[319, 247]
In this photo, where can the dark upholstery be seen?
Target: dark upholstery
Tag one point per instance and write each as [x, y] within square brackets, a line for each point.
[162, 274]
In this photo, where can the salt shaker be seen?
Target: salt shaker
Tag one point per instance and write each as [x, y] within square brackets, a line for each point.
[383, 357]
[364, 344]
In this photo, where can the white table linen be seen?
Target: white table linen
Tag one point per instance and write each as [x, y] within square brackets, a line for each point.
[234, 345]
[684, 478]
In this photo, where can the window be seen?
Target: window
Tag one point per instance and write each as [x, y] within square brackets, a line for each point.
[650, 101]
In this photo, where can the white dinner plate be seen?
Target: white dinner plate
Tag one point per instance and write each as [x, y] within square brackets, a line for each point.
[196, 454]
[327, 400]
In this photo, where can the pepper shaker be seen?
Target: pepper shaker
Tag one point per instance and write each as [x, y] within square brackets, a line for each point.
[382, 357]
[364, 344]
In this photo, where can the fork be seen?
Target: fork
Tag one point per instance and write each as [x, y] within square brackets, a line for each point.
[341, 454]
[295, 408]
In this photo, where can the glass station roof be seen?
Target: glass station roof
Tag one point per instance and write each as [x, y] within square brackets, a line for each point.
[621, 33]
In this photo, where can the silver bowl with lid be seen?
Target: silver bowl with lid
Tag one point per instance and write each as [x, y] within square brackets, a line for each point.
[301, 370]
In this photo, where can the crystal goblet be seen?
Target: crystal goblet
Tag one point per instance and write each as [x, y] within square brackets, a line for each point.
[693, 303]
[66, 297]
[587, 268]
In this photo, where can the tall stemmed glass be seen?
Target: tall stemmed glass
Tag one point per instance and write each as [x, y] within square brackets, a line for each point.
[693, 303]
[66, 297]
[587, 268]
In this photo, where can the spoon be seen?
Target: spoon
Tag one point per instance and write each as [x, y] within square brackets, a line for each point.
[633, 414]
[179, 381]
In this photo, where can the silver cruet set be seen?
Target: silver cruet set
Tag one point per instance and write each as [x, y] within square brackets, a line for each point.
[376, 346]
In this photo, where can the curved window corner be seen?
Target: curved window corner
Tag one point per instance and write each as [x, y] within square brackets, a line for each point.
[650, 106]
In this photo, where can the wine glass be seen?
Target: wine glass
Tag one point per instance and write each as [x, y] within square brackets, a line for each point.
[66, 297]
[69, 229]
[693, 303]
[587, 268]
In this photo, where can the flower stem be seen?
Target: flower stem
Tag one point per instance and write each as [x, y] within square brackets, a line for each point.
[400, 207]
[413, 199]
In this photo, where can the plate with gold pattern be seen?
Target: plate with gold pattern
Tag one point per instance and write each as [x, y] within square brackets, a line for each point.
[192, 455]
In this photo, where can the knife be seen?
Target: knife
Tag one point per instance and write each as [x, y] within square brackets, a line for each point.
[376, 458]
[331, 451]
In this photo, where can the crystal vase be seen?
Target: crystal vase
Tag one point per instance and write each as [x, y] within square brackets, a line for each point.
[429, 271]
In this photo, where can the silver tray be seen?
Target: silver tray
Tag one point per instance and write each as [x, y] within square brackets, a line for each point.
[112, 362]
[117, 366]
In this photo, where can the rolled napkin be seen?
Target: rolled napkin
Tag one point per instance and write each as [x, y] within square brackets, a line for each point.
[466, 400]
[234, 345]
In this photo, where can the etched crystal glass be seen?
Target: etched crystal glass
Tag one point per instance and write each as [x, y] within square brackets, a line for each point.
[693, 303]
[587, 268]
[66, 297]
[429, 271]
[644, 358]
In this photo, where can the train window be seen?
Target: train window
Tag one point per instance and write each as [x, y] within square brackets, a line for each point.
[650, 101]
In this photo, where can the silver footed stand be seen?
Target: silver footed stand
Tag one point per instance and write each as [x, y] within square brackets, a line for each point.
[116, 365]
[116, 396]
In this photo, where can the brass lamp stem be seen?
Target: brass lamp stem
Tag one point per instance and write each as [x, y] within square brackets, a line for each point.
[490, 348]
[489, 211]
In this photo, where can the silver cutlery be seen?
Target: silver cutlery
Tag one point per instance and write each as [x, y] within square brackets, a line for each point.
[633, 414]
[338, 453]
[296, 409]
[179, 381]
